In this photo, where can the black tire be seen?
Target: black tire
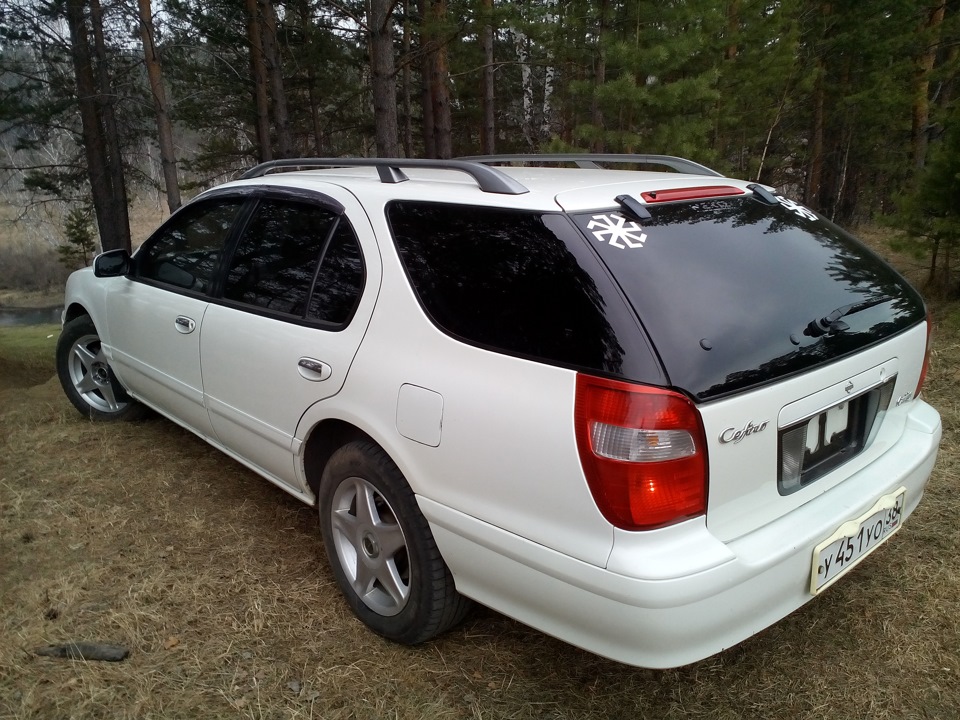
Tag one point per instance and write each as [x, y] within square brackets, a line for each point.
[380, 548]
[86, 376]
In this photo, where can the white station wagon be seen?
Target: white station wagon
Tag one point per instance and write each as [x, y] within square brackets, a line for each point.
[649, 413]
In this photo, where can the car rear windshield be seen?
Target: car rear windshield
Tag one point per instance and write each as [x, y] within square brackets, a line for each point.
[730, 289]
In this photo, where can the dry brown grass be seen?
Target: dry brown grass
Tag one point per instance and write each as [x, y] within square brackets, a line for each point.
[142, 535]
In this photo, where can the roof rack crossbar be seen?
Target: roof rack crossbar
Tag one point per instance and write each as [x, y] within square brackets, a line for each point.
[590, 160]
[390, 170]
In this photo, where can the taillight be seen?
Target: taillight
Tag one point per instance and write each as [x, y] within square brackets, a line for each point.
[926, 358]
[690, 193]
[643, 452]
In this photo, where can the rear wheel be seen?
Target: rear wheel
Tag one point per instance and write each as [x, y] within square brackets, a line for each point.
[86, 376]
[380, 548]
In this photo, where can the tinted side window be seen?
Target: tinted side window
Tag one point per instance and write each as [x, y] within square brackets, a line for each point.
[276, 259]
[340, 280]
[185, 252]
[520, 282]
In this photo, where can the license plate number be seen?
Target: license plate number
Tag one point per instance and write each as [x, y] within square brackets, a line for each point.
[854, 540]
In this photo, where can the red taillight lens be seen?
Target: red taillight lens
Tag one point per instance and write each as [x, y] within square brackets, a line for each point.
[926, 358]
[643, 452]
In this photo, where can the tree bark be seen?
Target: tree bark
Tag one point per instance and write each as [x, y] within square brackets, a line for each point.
[383, 77]
[271, 53]
[599, 78]
[930, 32]
[260, 83]
[488, 131]
[303, 8]
[100, 137]
[439, 86]
[815, 167]
[168, 159]
[406, 92]
[106, 100]
[521, 46]
[733, 28]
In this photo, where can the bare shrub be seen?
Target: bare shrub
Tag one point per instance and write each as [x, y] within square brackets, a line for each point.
[31, 266]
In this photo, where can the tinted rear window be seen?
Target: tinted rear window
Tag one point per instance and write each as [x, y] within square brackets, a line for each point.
[518, 282]
[740, 277]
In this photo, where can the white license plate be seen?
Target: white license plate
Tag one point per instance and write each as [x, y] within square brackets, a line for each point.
[855, 539]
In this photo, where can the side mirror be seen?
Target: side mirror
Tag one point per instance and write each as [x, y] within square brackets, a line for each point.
[112, 263]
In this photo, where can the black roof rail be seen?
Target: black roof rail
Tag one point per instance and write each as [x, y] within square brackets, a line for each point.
[590, 160]
[390, 170]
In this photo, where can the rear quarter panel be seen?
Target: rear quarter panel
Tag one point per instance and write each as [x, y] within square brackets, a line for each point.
[507, 453]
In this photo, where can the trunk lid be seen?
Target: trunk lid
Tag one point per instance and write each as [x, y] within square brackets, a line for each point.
[798, 343]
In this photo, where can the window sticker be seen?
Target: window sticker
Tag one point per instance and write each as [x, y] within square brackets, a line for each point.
[796, 207]
[616, 230]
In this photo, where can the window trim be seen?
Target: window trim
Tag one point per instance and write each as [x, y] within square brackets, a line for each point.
[238, 221]
[250, 198]
[303, 197]
[647, 369]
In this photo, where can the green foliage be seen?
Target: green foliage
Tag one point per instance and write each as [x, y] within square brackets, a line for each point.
[734, 84]
[932, 211]
[79, 242]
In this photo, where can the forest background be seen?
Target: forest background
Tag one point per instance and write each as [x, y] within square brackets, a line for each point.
[850, 107]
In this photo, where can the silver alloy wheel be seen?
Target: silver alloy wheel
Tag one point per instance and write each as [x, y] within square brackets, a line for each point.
[90, 374]
[370, 546]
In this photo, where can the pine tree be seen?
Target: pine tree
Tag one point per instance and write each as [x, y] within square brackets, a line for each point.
[79, 244]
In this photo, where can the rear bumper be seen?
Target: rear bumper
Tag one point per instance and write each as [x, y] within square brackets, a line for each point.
[645, 613]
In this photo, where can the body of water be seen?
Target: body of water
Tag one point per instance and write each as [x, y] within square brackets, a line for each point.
[30, 316]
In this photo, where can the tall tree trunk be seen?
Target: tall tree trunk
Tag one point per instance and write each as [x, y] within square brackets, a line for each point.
[521, 44]
[303, 8]
[107, 100]
[94, 145]
[271, 52]
[949, 85]
[815, 166]
[930, 32]
[260, 83]
[168, 158]
[549, 74]
[733, 28]
[429, 134]
[427, 70]
[383, 77]
[105, 171]
[439, 86]
[406, 92]
[599, 78]
[488, 130]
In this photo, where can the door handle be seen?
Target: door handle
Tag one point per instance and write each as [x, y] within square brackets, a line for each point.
[313, 370]
[184, 325]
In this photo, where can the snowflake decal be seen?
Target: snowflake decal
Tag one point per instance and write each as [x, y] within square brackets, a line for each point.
[615, 230]
[796, 207]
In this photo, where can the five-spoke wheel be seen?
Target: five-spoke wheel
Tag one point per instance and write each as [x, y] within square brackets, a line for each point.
[86, 376]
[381, 550]
[370, 546]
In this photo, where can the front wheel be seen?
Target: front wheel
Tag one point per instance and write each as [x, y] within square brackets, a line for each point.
[380, 548]
[86, 376]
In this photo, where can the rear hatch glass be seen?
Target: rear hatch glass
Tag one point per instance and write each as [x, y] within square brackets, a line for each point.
[735, 292]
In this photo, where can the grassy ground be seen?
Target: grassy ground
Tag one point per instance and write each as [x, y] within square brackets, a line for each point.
[142, 535]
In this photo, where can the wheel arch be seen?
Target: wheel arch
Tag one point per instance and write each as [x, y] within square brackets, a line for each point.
[324, 439]
[73, 311]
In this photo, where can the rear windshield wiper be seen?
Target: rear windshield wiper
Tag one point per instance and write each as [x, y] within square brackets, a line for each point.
[631, 206]
[832, 323]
